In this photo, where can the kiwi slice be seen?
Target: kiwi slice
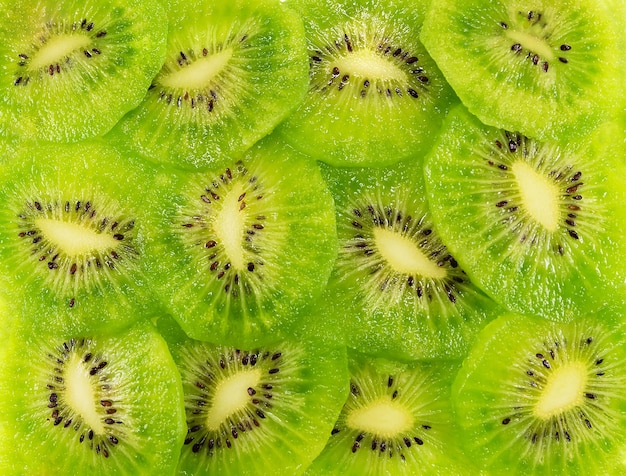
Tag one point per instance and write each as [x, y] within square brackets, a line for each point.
[548, 70]
[72, 236]
[71, 69]
[397, 420]
[539, 397]
[375, 95]
[90, 404]
[267, 407]
[242, 250]
[535, 224]
[395, 289]
[233, 70]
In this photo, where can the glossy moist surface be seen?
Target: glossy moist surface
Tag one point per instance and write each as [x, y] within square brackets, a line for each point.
[397, 420]
[243, 249]
[271, 406]
[96, 405]
[375, 95]
[233, 71]
[395, 288]
[72, 237]
[70, 70]
[536, 225]
[545, 69]
[538, 397]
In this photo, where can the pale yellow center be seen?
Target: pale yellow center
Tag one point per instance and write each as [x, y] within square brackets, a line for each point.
[403, 256]
[531, 43]
[230, 226]
[383, 418]
[198, 75]
[74, 239]
[231, 395]
[564, 390]
[58, 48]
[539, 195]
[368, 64]
[79, 394]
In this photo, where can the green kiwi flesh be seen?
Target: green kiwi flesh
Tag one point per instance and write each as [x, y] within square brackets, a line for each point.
[70, 70]
[547, 70]
[375, 95]
[72, 234]
[395, 289]
[242, 250]
[268, 407]
[537, 225]
[397, 420]
[233, 70]
[545, 398]
[92, 404]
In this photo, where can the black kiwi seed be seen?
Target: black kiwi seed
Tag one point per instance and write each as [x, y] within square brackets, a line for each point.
[196, 224]
[63, 413]
[568, 180]
[208, 370]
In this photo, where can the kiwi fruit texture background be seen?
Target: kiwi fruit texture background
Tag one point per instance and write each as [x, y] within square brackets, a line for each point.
[312, 237]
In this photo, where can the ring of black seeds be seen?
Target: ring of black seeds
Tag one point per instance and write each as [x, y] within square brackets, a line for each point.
[64, 418]
[535, 23]
[193, 225]
[23, 74]
[360, 254]
[60, 270]
[391, 447]
[513, 147]
[327, 77]
[573, 425]
[204, 370]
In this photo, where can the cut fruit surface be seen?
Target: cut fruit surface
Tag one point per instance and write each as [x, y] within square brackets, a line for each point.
[535, 224]
[267, 407]
[243, 249]
[69, 70]
[548, 70]
[538, 397]
[375, 95]
[395, 289]
[98, 405]
[233, 70]
[72, 236]
[397, 421]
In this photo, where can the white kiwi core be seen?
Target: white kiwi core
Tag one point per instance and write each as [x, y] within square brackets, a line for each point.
[368, 64]
[383, 418]
[539, 195]
[229, 226]
[75, 239]
[200, 73]
[563, 391]
[531, 43]
[57, 48]
[80, 395]
[404, 256]
[231, 396]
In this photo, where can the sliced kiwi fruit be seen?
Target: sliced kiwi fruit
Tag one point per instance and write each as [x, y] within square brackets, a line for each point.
[72, 236]
[375, 95]
[71, 69]
[258, 409]
[539, 397]
[397, 420]
[92, 404]
[537, 225]
[395, 289]
[233, 70]
[548, 70]
[242, 250]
